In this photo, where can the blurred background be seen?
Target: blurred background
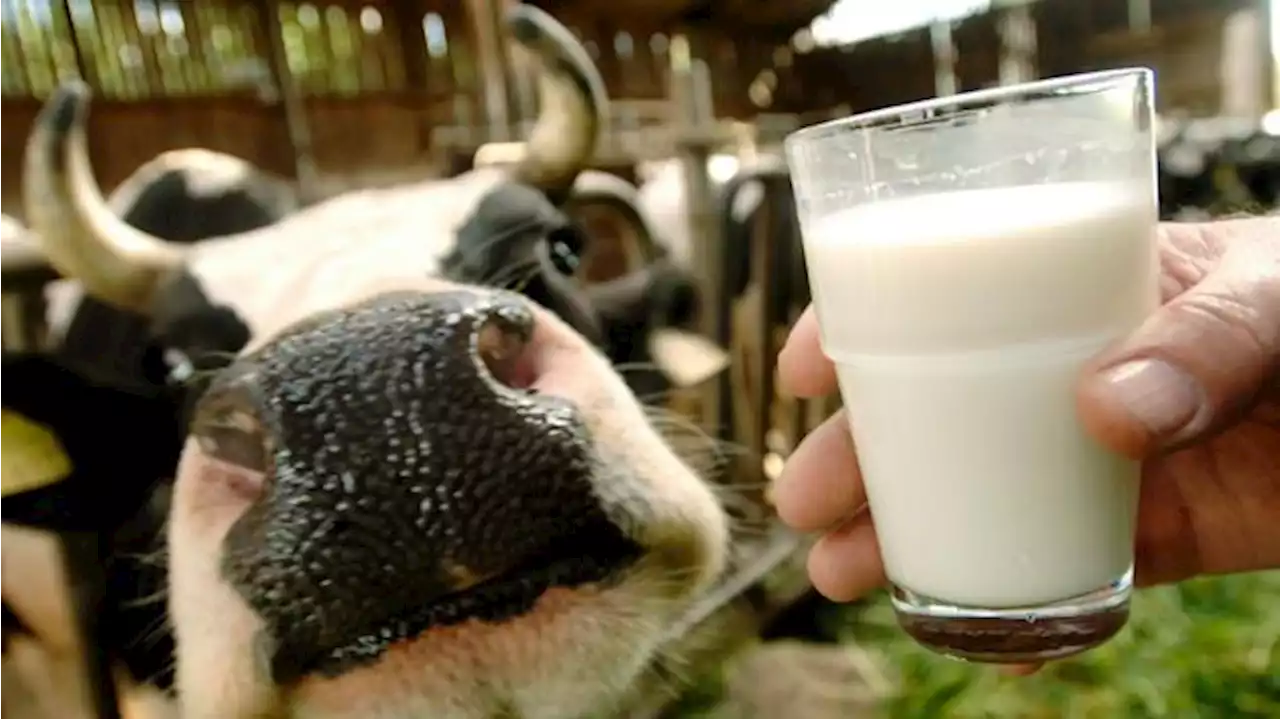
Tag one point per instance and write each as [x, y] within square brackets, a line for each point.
[340, 94]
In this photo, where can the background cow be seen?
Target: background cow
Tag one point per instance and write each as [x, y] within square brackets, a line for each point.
[644, 340]
[182, 196]
[1209, 167]
[109, 361]
[763, 270]
[415, 493]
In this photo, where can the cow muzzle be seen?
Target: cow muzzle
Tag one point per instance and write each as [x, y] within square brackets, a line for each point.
[402, 473]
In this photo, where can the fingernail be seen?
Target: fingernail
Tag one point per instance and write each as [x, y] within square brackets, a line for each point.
[1163, 398]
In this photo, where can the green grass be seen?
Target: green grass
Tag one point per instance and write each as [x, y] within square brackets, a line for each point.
[1201, 650]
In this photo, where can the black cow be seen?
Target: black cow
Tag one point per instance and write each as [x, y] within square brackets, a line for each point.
[756, 196]
[414, 492]
[181, 196]
[1211, 167]
[113, 361]
[644, 339]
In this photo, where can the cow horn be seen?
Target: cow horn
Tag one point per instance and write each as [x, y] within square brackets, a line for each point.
[82, 237]
[572, 103]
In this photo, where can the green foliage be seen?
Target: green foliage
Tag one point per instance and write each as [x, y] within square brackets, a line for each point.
[1201, 650]
[702, 701]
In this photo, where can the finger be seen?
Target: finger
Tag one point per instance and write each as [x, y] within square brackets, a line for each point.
[845, 564]
[1197, 362]
[803, 370]
[820, 484]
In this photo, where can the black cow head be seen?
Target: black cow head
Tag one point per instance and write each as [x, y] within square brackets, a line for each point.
[647, 315]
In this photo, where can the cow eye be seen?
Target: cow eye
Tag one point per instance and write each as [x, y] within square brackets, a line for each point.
[229, 428]
[565, 245]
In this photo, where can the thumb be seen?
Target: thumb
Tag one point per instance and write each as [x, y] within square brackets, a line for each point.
[1199, 361]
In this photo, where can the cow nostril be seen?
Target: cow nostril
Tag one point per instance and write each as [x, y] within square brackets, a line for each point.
[503, 346]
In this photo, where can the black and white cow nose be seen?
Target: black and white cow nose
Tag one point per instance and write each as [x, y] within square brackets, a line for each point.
[411, 481]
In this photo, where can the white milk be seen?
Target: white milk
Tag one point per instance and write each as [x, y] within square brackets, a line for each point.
[958, 323]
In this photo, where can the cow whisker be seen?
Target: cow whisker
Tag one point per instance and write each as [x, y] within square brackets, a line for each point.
[152, 598]
[707, 454]
[743, 501]
[492, 279]
[624, 367]
[513, 276]
[168, 668]
[519, 283]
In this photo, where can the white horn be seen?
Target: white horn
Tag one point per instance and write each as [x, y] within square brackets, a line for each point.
[82, 237]
[572, 103]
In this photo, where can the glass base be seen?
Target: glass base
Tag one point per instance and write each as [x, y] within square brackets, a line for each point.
[1015, 635]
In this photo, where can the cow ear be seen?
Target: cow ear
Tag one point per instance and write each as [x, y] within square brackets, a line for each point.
[81, 453]
[687, 359]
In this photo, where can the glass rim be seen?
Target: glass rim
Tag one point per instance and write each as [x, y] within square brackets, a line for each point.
[985, 97]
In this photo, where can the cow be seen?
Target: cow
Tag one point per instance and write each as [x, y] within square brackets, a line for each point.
[622, 240]
[1213, 167]
[752, 198]
[26, 274]
[741, 195]
[651, 340]
[1187, 172]
[182, 196]
[1256, 159]
[415, 491]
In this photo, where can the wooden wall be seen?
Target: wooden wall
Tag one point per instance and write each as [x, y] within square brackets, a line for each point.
[379, 77]
[376, 76]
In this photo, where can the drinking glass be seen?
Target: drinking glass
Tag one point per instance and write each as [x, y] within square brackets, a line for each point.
[967, 255]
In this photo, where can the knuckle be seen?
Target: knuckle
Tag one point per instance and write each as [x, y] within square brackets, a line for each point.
[1251, 321]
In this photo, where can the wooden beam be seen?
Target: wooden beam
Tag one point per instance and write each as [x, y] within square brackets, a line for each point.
[944, 59]
[495, 76]
[1017, 45]
[693, 99]
[74, 38]
[1139, 15]
[413, 46]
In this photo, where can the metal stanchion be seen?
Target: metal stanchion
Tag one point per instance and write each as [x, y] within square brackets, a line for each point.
[696, 137]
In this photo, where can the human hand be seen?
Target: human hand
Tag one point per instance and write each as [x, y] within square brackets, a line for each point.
[1194, 392]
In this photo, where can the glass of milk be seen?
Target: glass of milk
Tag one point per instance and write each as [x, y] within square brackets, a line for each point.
[967, 255]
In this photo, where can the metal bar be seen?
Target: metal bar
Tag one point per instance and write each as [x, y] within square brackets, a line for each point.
[944, 59]
[486, 16]
[1017, 38]
[408, 16]
[691, 95]
[293, 109]
[1139, 16]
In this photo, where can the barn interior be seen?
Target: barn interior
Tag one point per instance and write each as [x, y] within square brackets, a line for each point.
[328, 98]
